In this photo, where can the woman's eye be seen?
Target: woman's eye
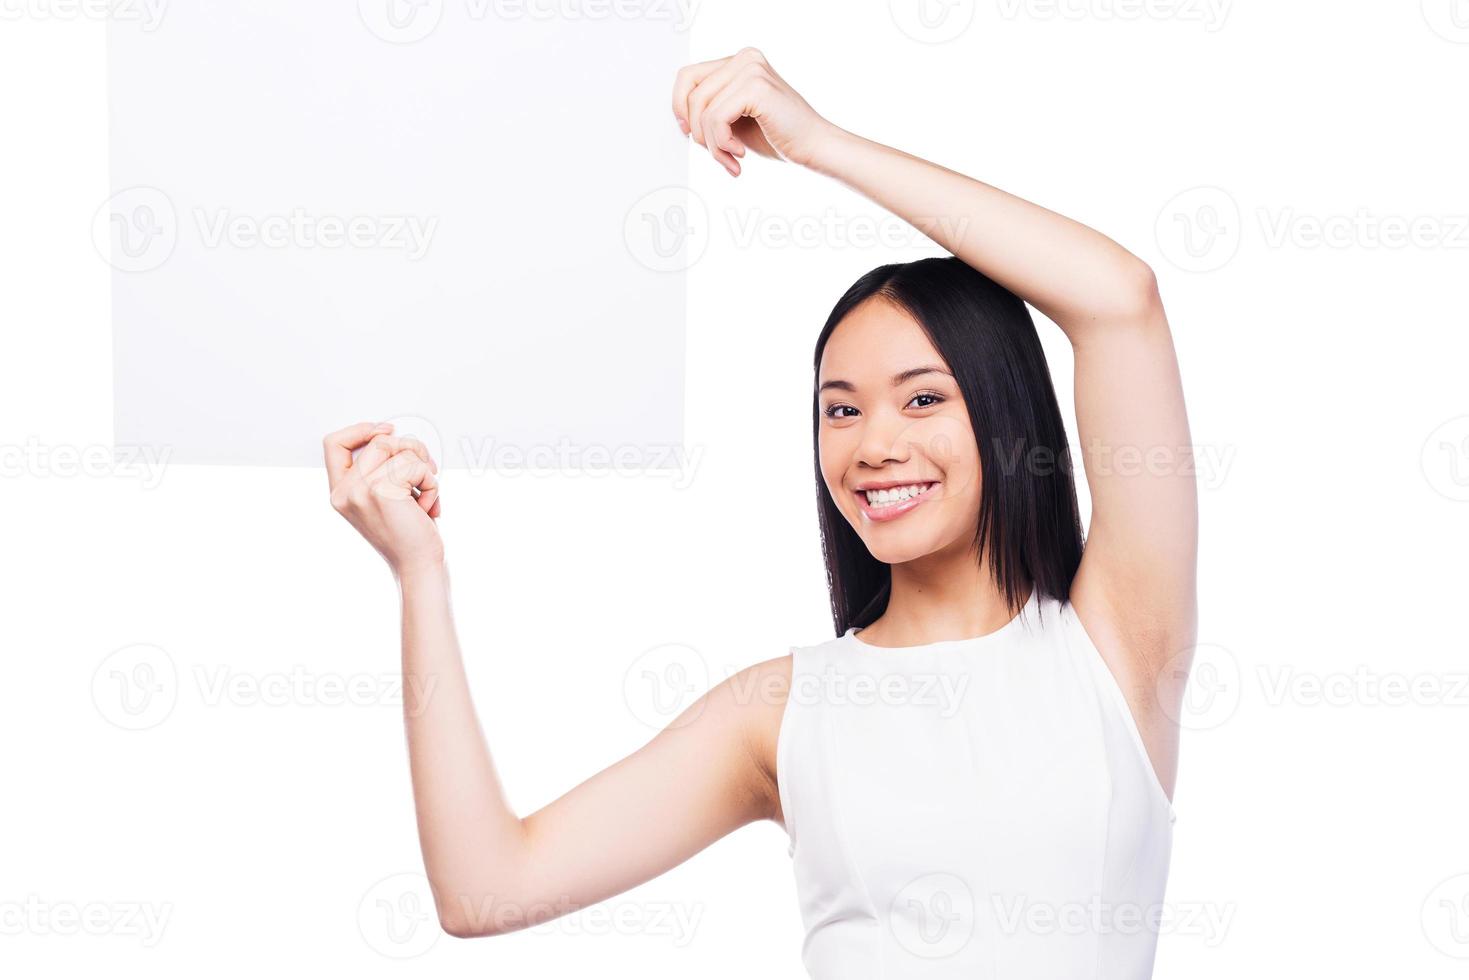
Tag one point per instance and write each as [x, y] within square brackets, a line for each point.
[833, 411]
[933, 399]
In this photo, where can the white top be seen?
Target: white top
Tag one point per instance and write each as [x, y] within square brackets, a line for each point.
[979, 808]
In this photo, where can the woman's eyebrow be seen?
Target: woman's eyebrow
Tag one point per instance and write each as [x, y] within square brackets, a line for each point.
[898, 378]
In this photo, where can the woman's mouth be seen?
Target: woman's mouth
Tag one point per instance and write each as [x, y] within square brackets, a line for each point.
[891, 503]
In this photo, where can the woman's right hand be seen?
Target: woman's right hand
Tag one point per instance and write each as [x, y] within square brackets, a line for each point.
[739, 102]
[389, 493]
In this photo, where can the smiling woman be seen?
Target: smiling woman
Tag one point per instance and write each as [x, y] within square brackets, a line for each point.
[928, 840]
[978, 401]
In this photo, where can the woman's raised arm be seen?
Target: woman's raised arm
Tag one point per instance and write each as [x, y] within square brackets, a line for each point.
[708, 773]
[1135, 590]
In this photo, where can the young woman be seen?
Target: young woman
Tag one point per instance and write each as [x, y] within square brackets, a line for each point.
[1019, 823]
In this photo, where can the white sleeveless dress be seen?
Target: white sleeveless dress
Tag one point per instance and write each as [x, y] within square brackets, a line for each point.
[979, 808]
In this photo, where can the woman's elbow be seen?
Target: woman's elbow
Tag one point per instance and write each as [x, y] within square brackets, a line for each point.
[464, 925]
[1138, 298]
[466, 915]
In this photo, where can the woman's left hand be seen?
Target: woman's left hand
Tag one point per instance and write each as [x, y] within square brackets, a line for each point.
[731, 104]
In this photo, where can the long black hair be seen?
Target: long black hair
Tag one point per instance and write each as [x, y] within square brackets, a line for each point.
[1029, 523]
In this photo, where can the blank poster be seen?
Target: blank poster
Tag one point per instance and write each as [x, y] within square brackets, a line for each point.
[470, 214]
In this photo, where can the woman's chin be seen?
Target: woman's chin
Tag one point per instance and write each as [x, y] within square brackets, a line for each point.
[894, 547]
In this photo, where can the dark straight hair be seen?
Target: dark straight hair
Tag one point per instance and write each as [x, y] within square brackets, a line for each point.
[1029, 523]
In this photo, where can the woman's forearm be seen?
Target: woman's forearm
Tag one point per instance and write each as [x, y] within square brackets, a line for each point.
[472, 841]
[1071, 273]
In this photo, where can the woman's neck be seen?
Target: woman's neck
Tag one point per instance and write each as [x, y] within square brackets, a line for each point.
[940, 597]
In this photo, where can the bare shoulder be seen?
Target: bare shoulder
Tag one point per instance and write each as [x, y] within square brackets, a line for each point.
[1146, 642]
[761, 691]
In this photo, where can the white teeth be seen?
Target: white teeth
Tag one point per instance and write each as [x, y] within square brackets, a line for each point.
[895, 495]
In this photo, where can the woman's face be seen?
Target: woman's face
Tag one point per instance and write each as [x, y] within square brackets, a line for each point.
[891, 417]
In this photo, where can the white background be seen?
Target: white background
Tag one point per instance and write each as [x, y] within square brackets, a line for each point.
[1320, 811]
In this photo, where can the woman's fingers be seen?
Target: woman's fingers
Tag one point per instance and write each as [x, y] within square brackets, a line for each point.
[723, 93]
[684, 83]
[734, 103]
[338, 446]
[383, 447]
[707, 90]
[403, 472]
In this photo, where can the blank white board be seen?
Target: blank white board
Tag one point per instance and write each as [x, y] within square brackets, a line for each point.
[329, 212]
